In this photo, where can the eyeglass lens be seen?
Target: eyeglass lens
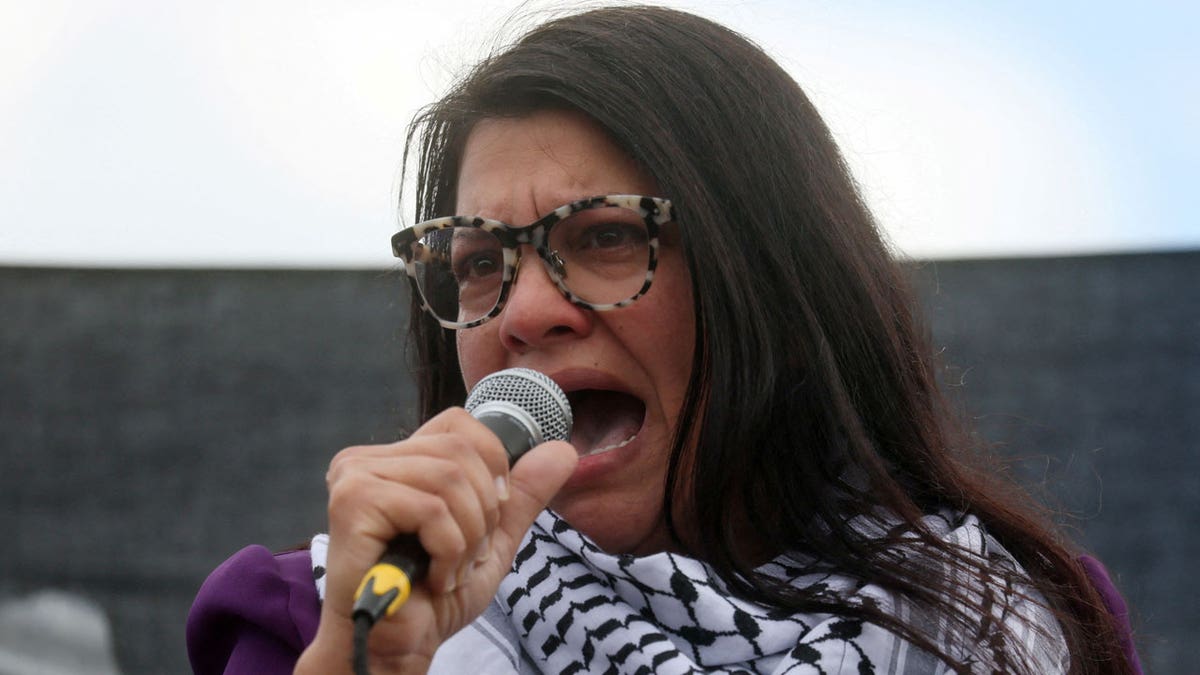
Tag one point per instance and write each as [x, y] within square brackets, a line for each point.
[601, 255]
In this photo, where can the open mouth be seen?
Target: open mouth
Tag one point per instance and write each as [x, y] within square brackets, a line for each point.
[604, 420]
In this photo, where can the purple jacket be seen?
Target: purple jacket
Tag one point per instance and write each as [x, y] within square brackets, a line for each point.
[254, 614]
[257, 612]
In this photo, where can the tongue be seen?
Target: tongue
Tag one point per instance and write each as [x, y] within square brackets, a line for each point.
[604, 420]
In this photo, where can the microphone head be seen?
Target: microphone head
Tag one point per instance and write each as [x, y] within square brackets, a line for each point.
[533, 393]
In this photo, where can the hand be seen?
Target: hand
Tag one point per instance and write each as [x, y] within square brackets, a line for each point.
[449, 483]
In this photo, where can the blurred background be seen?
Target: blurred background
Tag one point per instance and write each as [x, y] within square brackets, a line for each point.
[198, 306]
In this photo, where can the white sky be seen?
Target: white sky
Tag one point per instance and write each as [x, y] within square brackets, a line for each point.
[269, 133]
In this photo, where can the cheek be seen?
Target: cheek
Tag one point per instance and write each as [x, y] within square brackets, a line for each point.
[669, 339]
[676, 322]
[479, 353]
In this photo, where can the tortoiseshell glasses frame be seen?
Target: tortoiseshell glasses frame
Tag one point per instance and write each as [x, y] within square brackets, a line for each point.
[610, 243]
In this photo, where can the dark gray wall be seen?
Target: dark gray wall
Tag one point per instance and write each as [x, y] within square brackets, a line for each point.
[153, 422]
[1086, 373]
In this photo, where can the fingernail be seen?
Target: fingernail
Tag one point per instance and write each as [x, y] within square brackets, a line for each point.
[485, 549]
[451, 584]
[462, 574]
[502, 487]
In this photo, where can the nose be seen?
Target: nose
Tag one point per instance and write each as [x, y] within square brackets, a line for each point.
[536, 313]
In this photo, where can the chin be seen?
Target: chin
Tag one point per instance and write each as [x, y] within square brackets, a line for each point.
[623, 529]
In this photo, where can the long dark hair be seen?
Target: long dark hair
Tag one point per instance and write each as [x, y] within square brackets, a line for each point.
[813, 396]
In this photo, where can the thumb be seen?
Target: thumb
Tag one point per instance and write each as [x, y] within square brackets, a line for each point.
[533, 482]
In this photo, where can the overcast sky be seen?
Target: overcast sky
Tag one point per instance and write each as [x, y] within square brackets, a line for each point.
[264, 133]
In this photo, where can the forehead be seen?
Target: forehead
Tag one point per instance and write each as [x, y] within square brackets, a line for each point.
[517, 169]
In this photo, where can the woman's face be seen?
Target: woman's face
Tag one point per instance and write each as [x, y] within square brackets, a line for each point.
[625, 370]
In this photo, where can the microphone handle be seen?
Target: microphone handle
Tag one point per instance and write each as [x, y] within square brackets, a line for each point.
[387, 585]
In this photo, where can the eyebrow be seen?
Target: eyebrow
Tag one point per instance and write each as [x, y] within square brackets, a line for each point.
[540, 214]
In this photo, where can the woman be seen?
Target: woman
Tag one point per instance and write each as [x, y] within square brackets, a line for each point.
[762, 476]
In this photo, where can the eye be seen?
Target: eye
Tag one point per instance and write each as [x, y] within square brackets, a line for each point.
[611, 235]
[476, 265]
[475, 255]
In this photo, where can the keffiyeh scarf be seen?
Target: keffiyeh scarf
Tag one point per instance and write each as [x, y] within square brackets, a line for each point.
[568, 607]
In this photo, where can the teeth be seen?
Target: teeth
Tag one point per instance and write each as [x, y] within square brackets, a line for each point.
[614, 446]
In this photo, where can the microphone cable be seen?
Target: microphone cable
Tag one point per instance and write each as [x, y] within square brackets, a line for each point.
[384, 589]
[362, 630]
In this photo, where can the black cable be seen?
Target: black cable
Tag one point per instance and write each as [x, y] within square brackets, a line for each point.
[385, 587]
[362, 628]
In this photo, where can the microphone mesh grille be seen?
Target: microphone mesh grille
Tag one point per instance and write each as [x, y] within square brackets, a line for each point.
[531, 391]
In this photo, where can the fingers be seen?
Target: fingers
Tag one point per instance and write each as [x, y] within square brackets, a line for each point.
[406, 496]
[535, 480]
[450, 484]
[445, 484]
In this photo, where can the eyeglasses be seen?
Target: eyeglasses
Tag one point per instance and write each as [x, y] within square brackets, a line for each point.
[601, 253]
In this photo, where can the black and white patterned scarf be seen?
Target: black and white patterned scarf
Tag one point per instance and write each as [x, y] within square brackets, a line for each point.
[579, 609]
[568, 607]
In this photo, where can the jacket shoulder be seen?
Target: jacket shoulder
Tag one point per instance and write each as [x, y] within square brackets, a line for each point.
[254, 614]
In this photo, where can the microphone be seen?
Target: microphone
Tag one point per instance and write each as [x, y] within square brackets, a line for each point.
[524, 408]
